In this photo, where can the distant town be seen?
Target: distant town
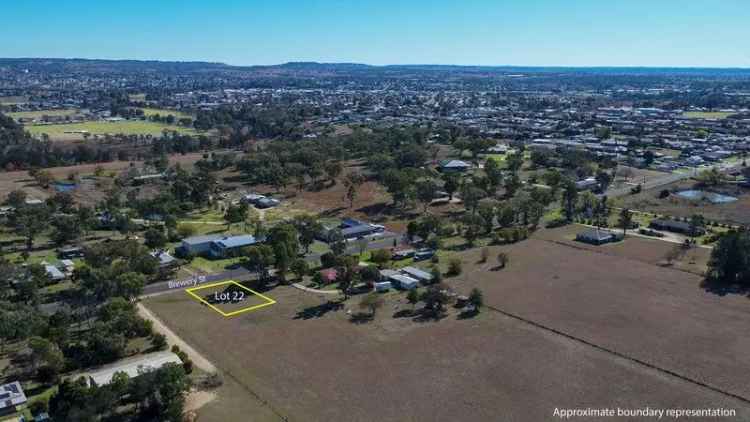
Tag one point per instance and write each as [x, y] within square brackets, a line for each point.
[190, 241]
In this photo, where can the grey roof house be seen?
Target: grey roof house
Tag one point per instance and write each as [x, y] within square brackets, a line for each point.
[198, 244]
[11, 395]
[223, 247]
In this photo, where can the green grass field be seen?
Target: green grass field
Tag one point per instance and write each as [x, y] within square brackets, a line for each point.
[127, 127]
[40, 113]
[718, 115]
[165, 112]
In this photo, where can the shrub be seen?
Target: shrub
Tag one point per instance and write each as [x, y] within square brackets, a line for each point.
[455, 267]
[185, 230]
[39, 406]
[380, 256]
[557, 222]
[159, 341]
[211, 381]
[328, 260]
[437, 276]
[187, 365]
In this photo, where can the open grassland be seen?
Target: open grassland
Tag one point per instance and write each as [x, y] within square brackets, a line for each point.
[165, 112]
[711, 115]
[566, 326]
[40, 113]
[126, 127]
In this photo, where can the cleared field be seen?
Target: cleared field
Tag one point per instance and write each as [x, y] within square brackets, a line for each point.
[324, 367]
[650, 251]
[41, 113]
[657, 315]
[127, 127]
[713, 115]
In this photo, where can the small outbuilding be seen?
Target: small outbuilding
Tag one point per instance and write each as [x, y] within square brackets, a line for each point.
[418, 274]
[404, 282]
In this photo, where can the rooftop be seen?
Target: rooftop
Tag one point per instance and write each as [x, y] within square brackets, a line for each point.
[132, 366]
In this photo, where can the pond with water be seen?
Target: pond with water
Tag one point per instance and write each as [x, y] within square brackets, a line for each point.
[64, 187]
[712, 197]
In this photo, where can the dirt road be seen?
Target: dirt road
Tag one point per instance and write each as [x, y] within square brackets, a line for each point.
[198, 360]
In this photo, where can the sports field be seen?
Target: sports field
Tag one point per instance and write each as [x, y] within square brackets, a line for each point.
[563, 327]
[714, 115]
[126, 127]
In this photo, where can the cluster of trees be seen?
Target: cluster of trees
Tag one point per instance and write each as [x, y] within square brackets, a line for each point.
[730, 259]
[281, 250]
[59, 213]
[154, 395]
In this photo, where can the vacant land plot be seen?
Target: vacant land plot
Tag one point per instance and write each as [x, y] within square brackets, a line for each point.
[650, 251]
[310, 363]
[654, 314]
[714, 115]
[127, 127]
[737, 212]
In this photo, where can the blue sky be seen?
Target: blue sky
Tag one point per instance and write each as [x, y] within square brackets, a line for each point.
[704, 33]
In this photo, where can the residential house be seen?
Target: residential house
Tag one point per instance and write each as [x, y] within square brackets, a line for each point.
[165, 259]
[676, 227]
[131, 366]
[11, 396]
[404, 282]
[416, 273]
[227, 246]
[453, 166]
[589, 183]
[198, 245]
[70, 252]
[597, 237]
[53, 272]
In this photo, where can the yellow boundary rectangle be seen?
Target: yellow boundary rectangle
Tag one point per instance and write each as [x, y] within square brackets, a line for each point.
[268, 300]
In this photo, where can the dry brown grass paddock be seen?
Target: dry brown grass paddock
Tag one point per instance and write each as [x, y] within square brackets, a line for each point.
[585, 329]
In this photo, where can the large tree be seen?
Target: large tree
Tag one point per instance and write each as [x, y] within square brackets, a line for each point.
[730, 259]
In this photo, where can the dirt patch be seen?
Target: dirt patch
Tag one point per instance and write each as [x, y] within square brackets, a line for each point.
[658, 315]
[324, 367]
[172, 338]
[650, 251]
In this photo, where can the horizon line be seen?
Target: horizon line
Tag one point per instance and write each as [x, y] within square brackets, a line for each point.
[384, 65]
